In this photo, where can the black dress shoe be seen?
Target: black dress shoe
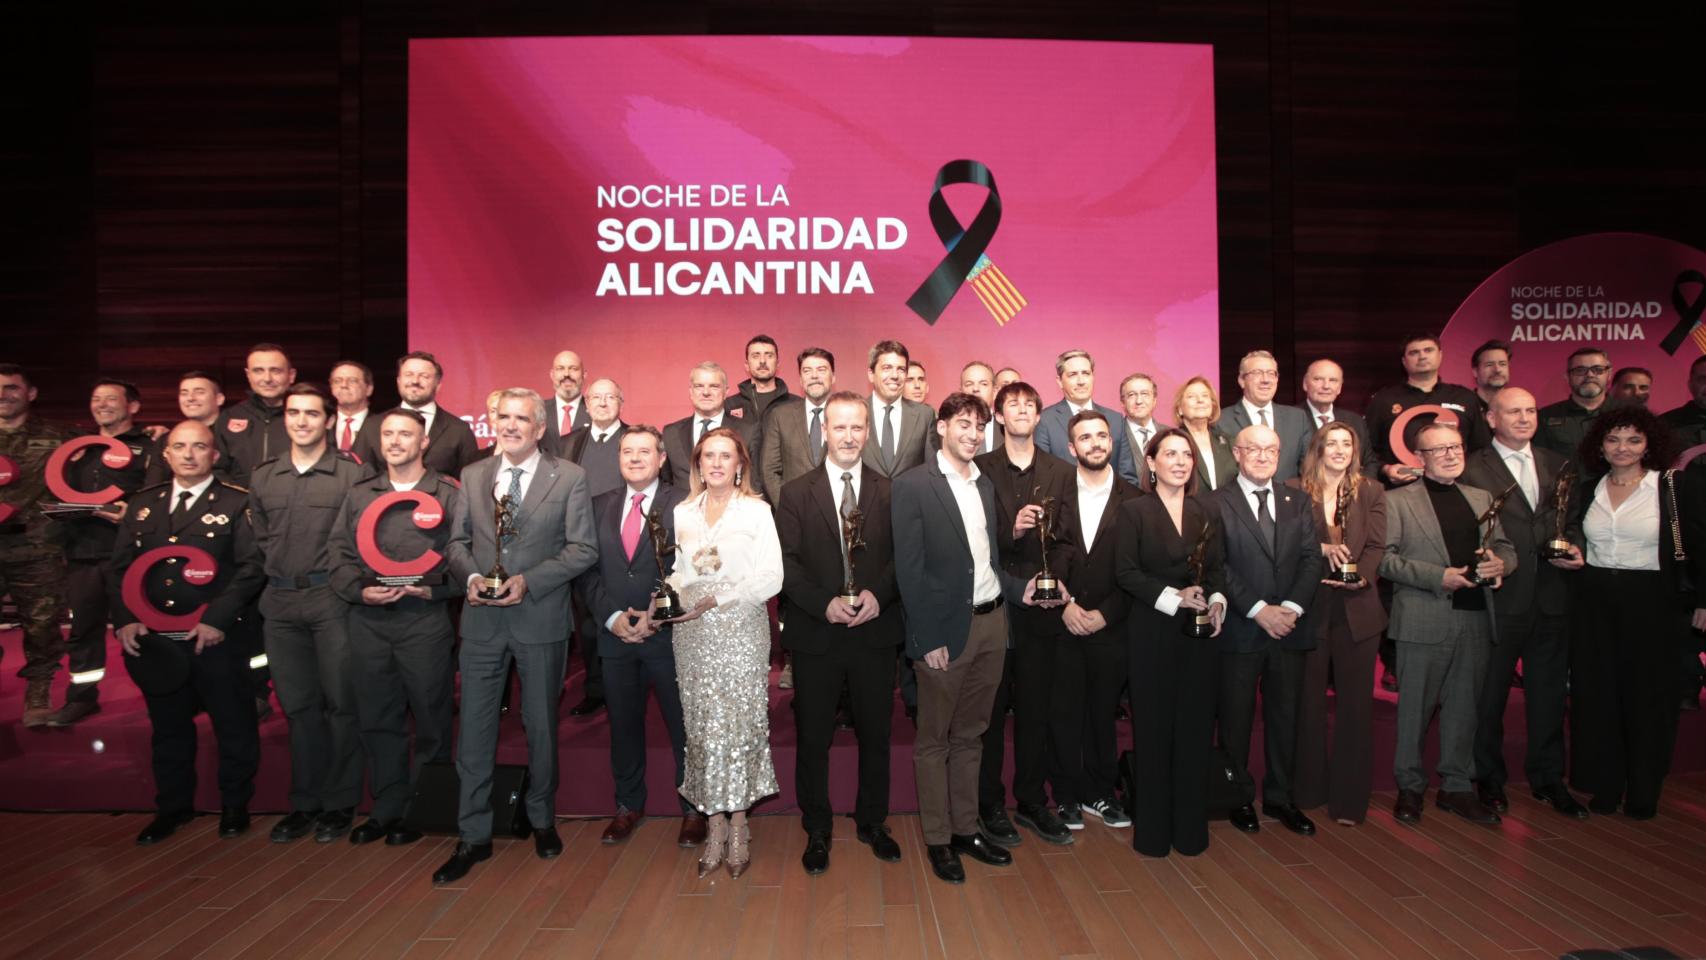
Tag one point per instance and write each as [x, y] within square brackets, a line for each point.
[587, 707]
[331, 825]
[1043, 822]
[881, 844]
[370, 831]
[1408, 809]
[233, 822]
[816, 857]
[980, 848]
[945, 863]
[1639, 813]
[398, 833]
[1467, 805]
[463, 860]
[299, 824]
[1494, 797]
[995, 825]
[1244, 818]
[547, 843]
[162, 827]
[1561, 800]
[1604, 806]
[1291, 818]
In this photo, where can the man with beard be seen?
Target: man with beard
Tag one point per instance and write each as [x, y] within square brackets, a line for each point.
[400, 636]
[32, 555]
[762, 388]
[1565, 423]
[253, 431]
[1689, 420]
[793, 429]
[564, 411]
[450, 441]
[1491, 366]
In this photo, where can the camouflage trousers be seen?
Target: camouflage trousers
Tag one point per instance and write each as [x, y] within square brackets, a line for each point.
[34, 577]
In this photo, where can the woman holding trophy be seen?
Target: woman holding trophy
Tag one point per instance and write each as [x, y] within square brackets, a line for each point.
[1169, 559]
[1348, 620]
[728, 565]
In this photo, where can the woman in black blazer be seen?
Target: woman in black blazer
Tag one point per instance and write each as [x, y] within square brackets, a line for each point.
[1171, 675]
[1348, 621]
[1197, 409]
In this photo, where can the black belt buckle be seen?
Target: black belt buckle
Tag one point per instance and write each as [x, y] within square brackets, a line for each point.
[988, 606]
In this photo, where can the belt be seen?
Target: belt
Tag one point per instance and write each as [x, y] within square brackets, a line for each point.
[988, 606]
[300, 583]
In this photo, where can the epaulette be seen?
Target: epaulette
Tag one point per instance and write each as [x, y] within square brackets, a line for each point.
[152, 487]
[267, 462]
[233, 486]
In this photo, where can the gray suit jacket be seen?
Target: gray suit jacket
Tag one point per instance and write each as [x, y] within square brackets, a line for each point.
[1293, 426]
[787, 446]
[1416, 559]
[916, 442]
[555, 542]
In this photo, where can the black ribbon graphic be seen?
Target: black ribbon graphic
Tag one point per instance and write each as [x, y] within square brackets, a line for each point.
[964, 244]
[1688, 311]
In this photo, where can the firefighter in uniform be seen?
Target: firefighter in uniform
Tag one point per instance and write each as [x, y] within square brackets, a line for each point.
[32, 557]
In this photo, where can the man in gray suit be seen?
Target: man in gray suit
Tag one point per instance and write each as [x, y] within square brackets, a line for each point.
[1076, 372]
[793, 426]
[1442, 621]
[902, 431]
[1258, 378]
[551, 540]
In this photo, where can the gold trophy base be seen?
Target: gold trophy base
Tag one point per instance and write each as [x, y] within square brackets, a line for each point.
[490, 587]
[1048, 588]
[1345, 574]
[1555, 550]
[851, 598]
[1198, 625]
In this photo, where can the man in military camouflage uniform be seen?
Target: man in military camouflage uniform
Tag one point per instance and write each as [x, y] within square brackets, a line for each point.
[32, 557]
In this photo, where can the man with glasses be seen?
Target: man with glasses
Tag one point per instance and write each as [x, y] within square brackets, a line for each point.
[1138, 394]
[1563, 424]
[1442, 621]
[1258, 378]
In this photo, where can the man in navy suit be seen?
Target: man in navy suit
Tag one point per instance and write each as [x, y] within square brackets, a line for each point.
[1076, 371]
[1273, 564]
[1322, 382]
[1258, 378]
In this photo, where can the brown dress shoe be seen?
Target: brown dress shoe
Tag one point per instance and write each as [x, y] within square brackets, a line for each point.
[37, 707]
[1467, 805]
[622, 826]
[692, 831]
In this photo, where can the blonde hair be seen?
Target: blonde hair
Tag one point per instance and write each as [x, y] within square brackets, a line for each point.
[1179, 399]
[744, 479]
[1314, 472]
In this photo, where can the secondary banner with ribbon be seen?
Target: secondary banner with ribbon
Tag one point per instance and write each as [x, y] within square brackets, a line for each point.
[966, 262]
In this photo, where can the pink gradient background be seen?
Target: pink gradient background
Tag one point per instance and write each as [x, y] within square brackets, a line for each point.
[1104, 154]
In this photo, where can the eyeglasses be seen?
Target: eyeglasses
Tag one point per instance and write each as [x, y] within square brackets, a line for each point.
[1265, 453]
[1441, 451]
[1598, 370]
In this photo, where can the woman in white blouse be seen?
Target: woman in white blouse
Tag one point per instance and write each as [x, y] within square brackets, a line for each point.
[727, 566]
[1630, 615]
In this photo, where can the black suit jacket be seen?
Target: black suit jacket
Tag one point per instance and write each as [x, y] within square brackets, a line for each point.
[450, 444]
[1289, 571]
[217, 522]
[614, 583]
[1534, 581]
[810, 531]
[1090, 575]
[1370, 465]
[678, 447]
[553, 414]
[1023, 558]
[1151, 555]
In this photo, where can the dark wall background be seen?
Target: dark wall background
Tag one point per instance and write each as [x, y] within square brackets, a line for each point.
[183, 180]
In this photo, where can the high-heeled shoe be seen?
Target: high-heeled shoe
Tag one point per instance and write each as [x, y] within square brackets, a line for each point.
[740, 851]
[718, 833]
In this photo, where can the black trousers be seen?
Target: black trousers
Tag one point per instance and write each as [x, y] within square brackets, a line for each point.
[626, 678]
[1027, 682]
[219, 684]
[1542, 643]
[1089, 674]
[1623, 703]
[1172, 722]
[1339, 771]
[313, 672]
[868, 675]
[402, 668]
[1278, 672]
[586, 636]
[86, 595]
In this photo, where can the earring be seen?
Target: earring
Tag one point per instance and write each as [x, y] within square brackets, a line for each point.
[737, 478]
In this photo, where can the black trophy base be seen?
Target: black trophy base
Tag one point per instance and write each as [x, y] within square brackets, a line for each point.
[1047, 590]
[489, 587]
[1198, 625]
[667, 607]
[1345, 574]
[1555, 550]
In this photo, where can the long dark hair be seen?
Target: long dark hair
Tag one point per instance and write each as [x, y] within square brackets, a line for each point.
[1155, 445]
[1661, 440]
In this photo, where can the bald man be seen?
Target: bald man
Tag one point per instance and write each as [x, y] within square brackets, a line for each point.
[1323, 380]
[565, 410]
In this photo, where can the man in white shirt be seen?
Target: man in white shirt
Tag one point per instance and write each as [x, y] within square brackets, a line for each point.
[352, 387]
[1258, 378]
[564, 411]
[450, 440]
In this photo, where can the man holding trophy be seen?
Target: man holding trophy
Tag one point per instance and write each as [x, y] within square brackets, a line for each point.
[522, 530]
[844, 623]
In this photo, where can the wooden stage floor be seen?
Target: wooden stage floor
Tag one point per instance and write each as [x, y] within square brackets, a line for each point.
[75, 885]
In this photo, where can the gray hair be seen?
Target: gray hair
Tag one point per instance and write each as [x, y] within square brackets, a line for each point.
[522, 393]
[1060, 361]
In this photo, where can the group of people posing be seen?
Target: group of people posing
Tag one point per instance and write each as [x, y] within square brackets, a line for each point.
[1061, 562]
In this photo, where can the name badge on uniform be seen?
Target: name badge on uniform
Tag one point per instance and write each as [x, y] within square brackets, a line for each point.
[142, 514]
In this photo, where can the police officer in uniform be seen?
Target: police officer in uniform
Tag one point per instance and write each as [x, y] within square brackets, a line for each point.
[89, 542]
[32, 557]
[400, 636]
[294, 503]
[180, 678]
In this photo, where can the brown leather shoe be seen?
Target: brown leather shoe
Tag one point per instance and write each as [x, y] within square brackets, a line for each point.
[37, 707]
[623, 825]
[1467, 805]
[692, 831]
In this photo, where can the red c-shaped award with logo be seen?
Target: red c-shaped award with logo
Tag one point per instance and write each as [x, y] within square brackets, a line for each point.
[389, 571]
[8, 476]
[73, 501]
[198, 569]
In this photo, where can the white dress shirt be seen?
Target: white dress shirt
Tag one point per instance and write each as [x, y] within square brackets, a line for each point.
[1140, 437]
[1092, 501]
[1626, 538]
[986, 586]
[529, 467]
[427, 410]
[699, 429]
[567, 410]
[1321, 417]
[600, 435]
[749, 554]
[355, 421]
[875, 433]
[1255, 412]
[1250, 489]
[1514, 462]
[195, 491]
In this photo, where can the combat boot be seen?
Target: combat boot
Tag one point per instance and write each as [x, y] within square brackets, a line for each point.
[37, 706]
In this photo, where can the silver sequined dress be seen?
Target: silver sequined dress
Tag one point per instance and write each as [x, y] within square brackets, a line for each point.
[722, 659]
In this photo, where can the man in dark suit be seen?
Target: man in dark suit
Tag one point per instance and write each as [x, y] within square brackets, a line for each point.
[707, 387]
[793, 426]
[902, 435]
[551, 541]
[1321, 385]
[835, 642]
[1090, 663]
[1258, 378]
[1024, 477]
[565, 412]
[618, 591]
[1076, 373]
[450, 441]
[953, 588]
[1533, 614]
[1138, 395]
[1273, 564]
[978, 379]
[594, 448]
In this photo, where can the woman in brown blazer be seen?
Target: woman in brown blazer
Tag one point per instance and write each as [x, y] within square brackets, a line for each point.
[1348, 620]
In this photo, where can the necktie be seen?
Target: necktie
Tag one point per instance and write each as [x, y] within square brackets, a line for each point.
[1264, 519]
[1142, 441]
[814, 435]
[568, 425]
[849, 503]
[1322, 419]
[1263, 415]
[183, 503]
[631, 526]
[346, 439]
[888, 431]
[704, 428]
[1525, 476]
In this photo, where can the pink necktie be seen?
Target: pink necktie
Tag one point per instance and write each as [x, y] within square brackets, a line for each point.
[568, 424]
[631, 526]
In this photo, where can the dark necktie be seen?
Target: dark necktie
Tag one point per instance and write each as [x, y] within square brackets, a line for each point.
[1263, 414]
[704, 428]
[849, 503]
[183, 503]
[814, 435]
[1264, 519]
[888, 432]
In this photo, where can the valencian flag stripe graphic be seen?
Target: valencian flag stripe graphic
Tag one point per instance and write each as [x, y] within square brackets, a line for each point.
[1688, 312]
[966, 260]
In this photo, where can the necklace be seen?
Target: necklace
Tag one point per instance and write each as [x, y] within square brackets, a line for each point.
[1626, 483]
